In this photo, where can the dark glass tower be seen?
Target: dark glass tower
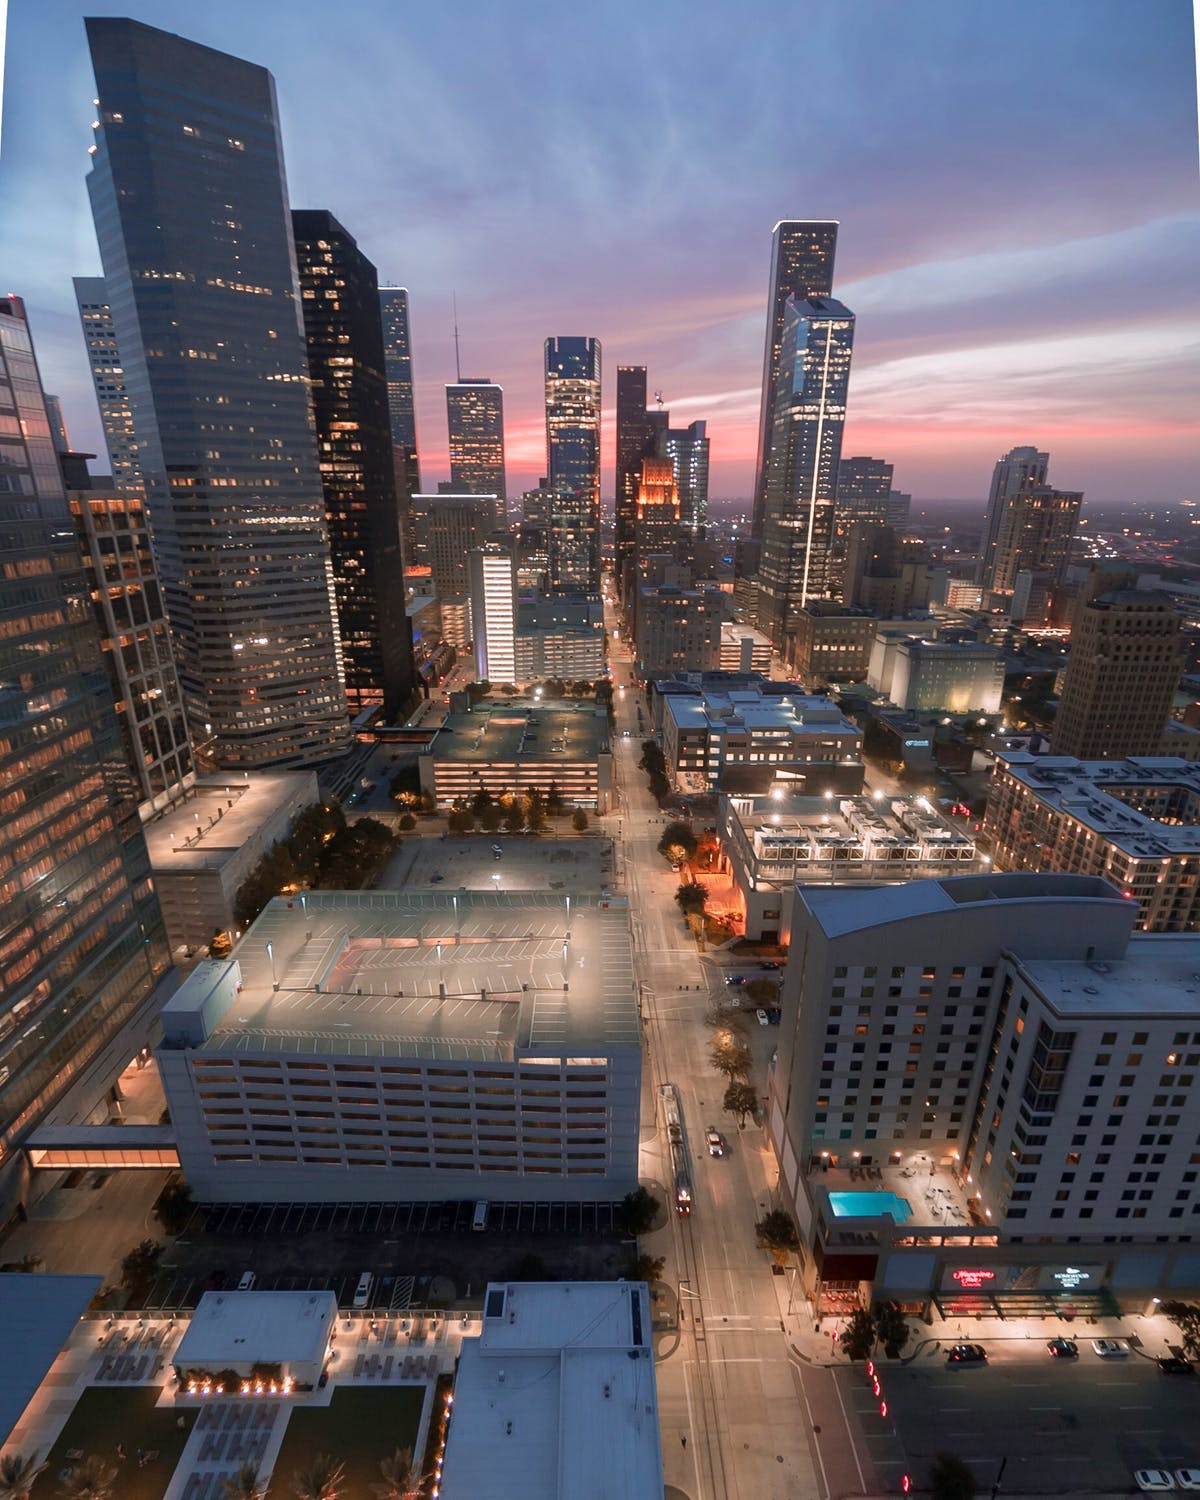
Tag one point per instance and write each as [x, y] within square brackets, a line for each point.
[81, 941]
[191, 212]
[573, 463]
[475, 419]
[397, 363]
[108, 377]
[339, 294]
[802, 252]
[810, 413]
[637, 431]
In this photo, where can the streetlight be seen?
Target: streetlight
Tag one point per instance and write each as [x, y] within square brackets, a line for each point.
[304, 909]
[271, 958]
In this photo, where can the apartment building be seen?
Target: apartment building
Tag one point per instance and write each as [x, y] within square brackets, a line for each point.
[1135, 822]
[1011, 1069]
[771, 842]
[367, 1046]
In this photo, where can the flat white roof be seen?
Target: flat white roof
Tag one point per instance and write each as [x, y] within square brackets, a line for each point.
[556, 1400]
[1159, 976]
[219, 816]
[229, 1328]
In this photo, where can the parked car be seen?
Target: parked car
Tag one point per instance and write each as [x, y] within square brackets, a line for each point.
[774, 1015]
[1153, 1479]
[1174, 1366]
[760, 1016]
[496, 849]
[715, 1142]
[1187, 1479]
[735, 979]
[966, 1354]
[770, 965]
[1110, 1348]
[1063, 1348]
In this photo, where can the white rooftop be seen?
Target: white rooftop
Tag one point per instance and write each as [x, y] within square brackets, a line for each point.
[556, 1400]
[220, 815]
[1159, 976]
[229, 1328]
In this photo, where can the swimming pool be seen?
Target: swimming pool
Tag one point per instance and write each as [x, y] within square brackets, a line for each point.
[869, 1206]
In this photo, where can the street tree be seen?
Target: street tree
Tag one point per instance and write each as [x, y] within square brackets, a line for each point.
[763, 992]
[579, 820]
[776, 1230]
[858, 1339]
[891, 1329]
[461, 820]
[730, 1056]
[1186, 1317]
[950, 1479]
[691, 899]
[174, 1206]
[638, 1211]
[647, 1267]
[139, 1267]
[514, 817]
[407, 822]
[677, 844]
[741, 1099]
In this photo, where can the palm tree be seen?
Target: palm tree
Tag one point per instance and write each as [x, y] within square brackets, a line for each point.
[398, 1482]
[322, 1480]
[17, 1475]
[244, 1485]
[93, 1479]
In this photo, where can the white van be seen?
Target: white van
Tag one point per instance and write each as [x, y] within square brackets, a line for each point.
[362, 1292]
[247, 1282]
[481, 1215]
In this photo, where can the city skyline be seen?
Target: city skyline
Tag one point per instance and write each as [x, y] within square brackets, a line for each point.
[984, 323]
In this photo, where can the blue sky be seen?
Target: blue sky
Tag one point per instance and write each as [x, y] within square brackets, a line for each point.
[1016, 184]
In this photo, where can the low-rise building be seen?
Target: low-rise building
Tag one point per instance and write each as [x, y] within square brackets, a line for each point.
[556, 1398]
[955, 676]
[744, 649]
[370, 1046]
[265, 1339]
[202, 849]
[984, 1097]
[746, 741]
[560, 637]
[831, 642]
[679, 629]
[771, 843]
[1135, 822]
[514, 745]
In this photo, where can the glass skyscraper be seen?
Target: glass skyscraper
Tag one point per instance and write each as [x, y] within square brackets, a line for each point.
[687, 449]
[82, 944]
[397, 361]
[802, 252]
[191, 212]
[638, 428]
[572, 370]
[475, 419]
[810, 413]
[1016, 470]
[108, 377]
[339, 293]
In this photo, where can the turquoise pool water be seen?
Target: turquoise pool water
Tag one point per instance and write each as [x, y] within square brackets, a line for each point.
[869, 1206]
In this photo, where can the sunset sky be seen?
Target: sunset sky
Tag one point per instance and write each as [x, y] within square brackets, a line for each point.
[1016, 185]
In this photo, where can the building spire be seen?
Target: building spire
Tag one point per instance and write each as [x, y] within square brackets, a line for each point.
[457, 364]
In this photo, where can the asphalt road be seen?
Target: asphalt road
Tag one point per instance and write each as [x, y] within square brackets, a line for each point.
[1083, 1424]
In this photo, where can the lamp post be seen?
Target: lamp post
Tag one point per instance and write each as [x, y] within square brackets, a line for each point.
[271, 958]
[304, 909]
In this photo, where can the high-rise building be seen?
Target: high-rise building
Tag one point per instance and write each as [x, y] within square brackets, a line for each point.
[1125, 663]
[637, 431]
[448, 528]
[899, 506]
[572, 368]
[1037, 526]
[84, 945]
[802, 254]
[657, 508]
[810, 412]
[339, 294]
[864, 487]
[191, 213]
[1017, 468]
[397, 357]
[687, 450]
[493, 575]
[475, 417]
[108, 377]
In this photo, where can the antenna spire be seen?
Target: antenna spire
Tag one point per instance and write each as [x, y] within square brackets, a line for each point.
[457, 365]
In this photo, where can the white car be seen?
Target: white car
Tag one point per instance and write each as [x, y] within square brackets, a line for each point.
[1110, 1348]
[715, 1142]
[761, 1017]
[1154, 1479]
[1187, 1479]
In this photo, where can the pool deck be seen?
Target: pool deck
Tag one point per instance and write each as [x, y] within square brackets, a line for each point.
[935, 1197]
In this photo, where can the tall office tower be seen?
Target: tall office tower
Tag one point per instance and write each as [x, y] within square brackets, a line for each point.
[448, 528]
[572, 368]
[687, 450]
[191, 214]
[657, 508]
[1124, 667]
[810, 412]
[475, 417]
[1037, 526]
[84, 944]
[397, 358]
[135, 636]
[493, 575]
[108, 377]
[339, 296]
[1018, 468]
[637, 432]
[802, 253]
[864, 487]
[899, 506]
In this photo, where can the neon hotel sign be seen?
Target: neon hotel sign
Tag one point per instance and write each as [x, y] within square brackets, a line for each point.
[972, 1280]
